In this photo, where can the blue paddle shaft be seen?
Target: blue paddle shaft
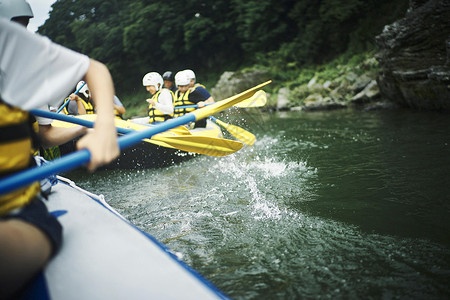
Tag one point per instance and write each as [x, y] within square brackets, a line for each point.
[76, 159]
[71, 119]
[186, 106]
[63, 164]
[190, 106]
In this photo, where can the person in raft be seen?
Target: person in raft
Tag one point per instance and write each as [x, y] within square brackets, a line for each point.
[29, 235]
[82, 102]
[188, 95]
[20, 11]
[169, 81]
[160, 106]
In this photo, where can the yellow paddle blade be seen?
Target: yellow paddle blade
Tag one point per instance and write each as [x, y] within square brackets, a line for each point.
[239, 133]
[187, 142]
[198, 144]
[224, 104]
[259, 99]
[182, 130]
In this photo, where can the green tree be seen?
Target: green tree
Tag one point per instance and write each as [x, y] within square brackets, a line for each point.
[137, 36]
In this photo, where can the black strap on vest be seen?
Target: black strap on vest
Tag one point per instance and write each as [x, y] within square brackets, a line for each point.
[15, 132]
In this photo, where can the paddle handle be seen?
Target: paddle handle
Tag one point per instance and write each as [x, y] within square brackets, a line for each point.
[62, 106]
[190, 106]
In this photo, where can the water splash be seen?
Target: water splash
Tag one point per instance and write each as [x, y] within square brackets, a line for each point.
[261, 176]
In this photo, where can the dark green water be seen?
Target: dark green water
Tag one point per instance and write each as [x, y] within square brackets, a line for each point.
[342, 204]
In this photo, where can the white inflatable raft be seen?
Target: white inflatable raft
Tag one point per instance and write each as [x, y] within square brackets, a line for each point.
[105, 257]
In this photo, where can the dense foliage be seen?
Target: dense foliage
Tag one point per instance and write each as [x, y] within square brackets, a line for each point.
[137, 36]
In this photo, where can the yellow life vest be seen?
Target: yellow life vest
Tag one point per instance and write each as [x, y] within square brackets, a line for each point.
[117, 114]
[182, 99]
[16, 146]
[197, 85]
[156, 115]
[87, 105]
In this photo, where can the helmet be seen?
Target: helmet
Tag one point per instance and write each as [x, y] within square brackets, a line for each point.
[153, 78]
[84, 90]
[190, 74]
[168, 75]
[15, 8]
[182, 78]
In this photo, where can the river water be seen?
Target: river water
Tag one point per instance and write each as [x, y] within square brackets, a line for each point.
[339, 204]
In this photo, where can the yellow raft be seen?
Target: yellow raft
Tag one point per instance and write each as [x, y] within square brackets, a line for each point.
[163, 149]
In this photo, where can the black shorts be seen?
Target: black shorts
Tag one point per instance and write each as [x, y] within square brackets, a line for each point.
[200, 123]
[36, 213]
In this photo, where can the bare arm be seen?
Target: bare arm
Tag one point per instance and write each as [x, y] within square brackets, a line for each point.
[80, 106]
[207, 101]
[120, 109]
[54, 136]
[102, 141]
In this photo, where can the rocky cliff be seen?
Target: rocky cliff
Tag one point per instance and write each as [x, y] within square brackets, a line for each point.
[414, 57]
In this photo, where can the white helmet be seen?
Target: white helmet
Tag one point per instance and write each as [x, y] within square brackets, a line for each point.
[190, 74]
[15, 8]
[182, 78]
[84, 90]
[153, 78]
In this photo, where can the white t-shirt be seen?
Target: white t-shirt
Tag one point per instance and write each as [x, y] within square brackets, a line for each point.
[117, 101]
[165, 102]
[35, 72]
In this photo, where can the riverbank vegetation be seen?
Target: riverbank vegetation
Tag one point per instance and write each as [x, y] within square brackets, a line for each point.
[335, 82]
[292, 40]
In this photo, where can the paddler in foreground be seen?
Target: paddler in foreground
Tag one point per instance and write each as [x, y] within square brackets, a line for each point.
[50, 137]
[29, 235]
